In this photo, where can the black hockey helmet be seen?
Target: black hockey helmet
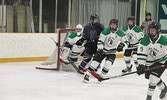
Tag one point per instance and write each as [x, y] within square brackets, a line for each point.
[155, 25]
[148, 14]
[115, 21]
[94, 16]
[132, 18]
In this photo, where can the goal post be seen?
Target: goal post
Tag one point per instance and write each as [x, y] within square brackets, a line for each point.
[53, 62]
[59, 43]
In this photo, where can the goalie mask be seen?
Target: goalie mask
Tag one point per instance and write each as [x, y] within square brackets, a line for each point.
[131, 21]
[154, 30]
[79, 29]
[113, 25]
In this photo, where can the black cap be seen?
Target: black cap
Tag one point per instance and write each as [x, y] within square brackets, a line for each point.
[148, 14]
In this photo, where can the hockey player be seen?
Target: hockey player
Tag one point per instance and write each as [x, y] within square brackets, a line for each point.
[152, 52]
[71, 50]
[134, 35]
[107, 46]
[146, 23]
[90, 34]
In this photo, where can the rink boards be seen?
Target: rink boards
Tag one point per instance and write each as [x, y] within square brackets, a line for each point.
[18, 47]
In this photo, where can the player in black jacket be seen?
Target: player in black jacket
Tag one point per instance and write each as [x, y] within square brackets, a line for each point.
[91, 34]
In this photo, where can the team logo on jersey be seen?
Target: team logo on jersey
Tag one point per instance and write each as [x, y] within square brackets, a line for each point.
[93, 35]
[130, 36]
[110, 41]
[153, 52]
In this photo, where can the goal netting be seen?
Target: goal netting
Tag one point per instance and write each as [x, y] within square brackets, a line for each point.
[54, 61]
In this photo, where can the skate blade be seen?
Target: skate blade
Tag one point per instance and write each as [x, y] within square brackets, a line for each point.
[80, 75]
[126, 72]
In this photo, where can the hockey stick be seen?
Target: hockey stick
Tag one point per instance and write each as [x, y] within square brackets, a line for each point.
[102, 79]
[75, 67]
[55, 41]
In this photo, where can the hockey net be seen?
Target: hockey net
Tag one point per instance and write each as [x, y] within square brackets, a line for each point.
[53, 62]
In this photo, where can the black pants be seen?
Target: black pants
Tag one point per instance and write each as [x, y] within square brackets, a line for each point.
[128, 52]
[99, 57]
[156, 72]
[90, 49]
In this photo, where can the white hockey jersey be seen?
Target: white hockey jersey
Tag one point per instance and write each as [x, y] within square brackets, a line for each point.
[134, 35]
[110, 40]
[73, 38]
[152, 52]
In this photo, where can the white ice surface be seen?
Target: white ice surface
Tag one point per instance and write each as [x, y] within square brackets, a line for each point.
[21, 81]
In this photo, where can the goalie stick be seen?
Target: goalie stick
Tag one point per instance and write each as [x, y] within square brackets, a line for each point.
[55, 41]
[102, 79]
[75, 67]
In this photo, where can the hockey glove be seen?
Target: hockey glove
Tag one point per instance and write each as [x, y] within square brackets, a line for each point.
[120, 47]
[99, 52]
[67, 44]
[141, 69]
[80, 41]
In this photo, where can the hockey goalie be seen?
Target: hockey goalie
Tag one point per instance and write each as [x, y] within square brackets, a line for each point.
[69, 51]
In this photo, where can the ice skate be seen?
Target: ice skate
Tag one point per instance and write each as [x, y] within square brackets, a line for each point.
[149, 97]
[86, 78]
[163, 94]
[127, 69]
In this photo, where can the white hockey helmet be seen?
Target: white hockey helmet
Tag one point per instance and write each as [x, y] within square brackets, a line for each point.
[79, 29]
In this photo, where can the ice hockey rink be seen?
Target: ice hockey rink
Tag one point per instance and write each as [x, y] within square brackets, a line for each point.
[21, 81]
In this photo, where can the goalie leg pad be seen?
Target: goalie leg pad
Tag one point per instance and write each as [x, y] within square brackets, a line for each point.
[65, 53]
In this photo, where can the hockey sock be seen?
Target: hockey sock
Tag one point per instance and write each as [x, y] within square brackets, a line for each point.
[93, 66]
[152, 84]
[161, 85]
[127, 61]
[135, 59]
[106, 67]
